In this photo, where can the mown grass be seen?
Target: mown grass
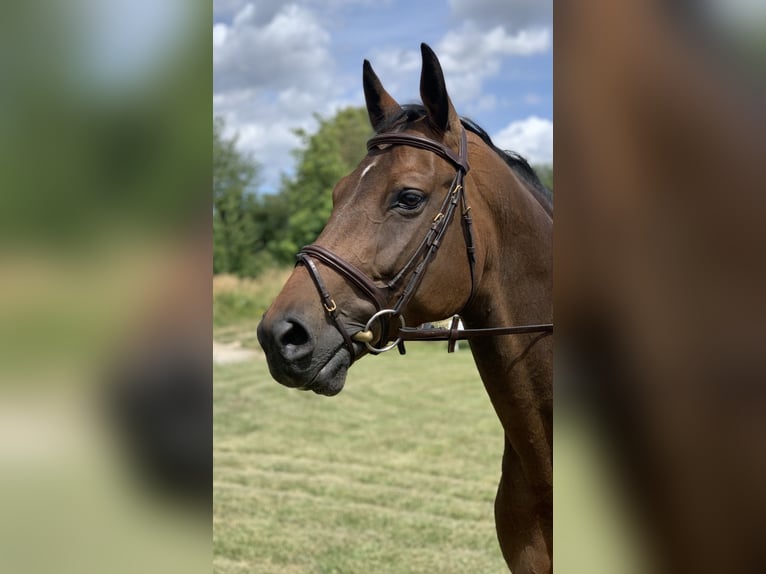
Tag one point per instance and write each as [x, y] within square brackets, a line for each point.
[396, 474]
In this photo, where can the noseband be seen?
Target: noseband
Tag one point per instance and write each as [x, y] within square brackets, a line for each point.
[414, 267]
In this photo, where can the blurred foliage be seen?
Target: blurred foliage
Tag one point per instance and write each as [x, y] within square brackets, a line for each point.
[88, 144]
[105, 167]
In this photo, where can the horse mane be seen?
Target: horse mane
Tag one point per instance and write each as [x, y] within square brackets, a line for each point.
[414, 112]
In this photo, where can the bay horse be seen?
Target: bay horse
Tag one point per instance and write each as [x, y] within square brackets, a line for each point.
[388, 256]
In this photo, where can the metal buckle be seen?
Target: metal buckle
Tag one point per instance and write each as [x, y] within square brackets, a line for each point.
[371, 320]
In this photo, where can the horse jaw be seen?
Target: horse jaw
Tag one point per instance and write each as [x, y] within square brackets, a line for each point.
[325, 379]
[331, 376]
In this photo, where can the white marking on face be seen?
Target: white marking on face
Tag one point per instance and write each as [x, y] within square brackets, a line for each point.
[368, 168]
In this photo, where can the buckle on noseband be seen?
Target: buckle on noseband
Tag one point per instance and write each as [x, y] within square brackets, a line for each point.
[367, 329]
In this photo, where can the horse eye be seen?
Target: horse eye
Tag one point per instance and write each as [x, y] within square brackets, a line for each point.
[409, 199]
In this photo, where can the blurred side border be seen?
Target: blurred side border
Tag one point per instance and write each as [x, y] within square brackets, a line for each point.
[105, 286]
[659, 282]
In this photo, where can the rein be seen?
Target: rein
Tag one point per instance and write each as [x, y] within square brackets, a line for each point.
[414, 267]
[453, 334]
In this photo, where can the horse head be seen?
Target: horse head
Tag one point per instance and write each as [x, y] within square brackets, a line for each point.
[366, 273]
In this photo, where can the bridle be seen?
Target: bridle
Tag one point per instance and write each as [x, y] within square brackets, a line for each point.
[414, 267]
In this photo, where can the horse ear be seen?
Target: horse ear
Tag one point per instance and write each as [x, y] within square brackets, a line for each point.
[380, 105]
[433, 92]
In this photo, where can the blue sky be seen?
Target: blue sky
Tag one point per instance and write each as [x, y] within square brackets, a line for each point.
[277, 63]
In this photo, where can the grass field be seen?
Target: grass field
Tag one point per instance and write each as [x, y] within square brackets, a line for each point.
[238, 304]
[396, 474]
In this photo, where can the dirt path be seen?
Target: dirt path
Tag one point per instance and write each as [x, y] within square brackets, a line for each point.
[225, 353]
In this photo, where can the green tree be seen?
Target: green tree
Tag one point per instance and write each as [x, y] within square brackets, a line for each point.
[324, 158]
[235, 207]
[545, 173]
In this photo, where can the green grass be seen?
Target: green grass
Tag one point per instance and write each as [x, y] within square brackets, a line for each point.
[396, 474]
[238, 304]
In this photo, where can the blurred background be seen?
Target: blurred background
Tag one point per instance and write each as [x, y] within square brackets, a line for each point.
[658, 284]
[105, 263]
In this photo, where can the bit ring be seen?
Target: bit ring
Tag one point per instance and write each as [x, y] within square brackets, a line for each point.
[368, 326]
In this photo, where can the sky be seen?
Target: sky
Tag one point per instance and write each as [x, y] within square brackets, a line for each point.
[278, 63]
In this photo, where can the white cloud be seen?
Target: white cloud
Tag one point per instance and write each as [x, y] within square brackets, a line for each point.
[532, 98]
[269, 142]
[513, 15]
[220, 31]
[471, 46]
[468, 55]
[290, 49]
[264, 125]
[272, 71]
[471, 54]
[484, 103]
[532, 138]
[278, 63]
[228, 9]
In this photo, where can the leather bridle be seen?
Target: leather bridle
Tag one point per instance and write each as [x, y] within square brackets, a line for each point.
[414, 267]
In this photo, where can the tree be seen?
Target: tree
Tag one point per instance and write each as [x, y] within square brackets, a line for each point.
[545, 173]
[252, 231]
[332, 152]
[235, 207]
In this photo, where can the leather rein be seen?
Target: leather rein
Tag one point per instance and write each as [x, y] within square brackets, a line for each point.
[414, 267]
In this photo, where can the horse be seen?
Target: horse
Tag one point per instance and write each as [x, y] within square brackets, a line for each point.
[389, 256]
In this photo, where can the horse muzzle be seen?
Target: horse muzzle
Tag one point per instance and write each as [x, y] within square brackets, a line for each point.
[297, 358]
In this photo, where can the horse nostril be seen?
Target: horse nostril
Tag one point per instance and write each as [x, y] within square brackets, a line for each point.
[296, 335]
[287, 338]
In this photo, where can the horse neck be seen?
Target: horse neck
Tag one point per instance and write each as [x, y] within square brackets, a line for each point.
[514, 232]
[514, 235]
